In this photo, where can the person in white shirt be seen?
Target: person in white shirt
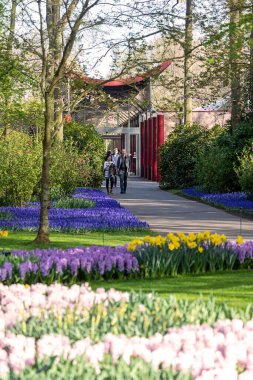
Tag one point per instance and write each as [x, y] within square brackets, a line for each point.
[109, 172]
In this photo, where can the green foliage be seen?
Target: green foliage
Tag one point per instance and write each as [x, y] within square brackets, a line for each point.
[192, 156]
[135, 317]
[85, 136]
[245, 172]
[73, 203]
[217, 163]
[215, 170]
[64, 170]
[158, 262]
[16, 79]
[138, 369]
[5, 215]
[179, 154]
[91, 147]
[20, 168]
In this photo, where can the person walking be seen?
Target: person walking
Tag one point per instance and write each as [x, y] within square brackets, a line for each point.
[115, 157]
[109, 173]
[123, 167]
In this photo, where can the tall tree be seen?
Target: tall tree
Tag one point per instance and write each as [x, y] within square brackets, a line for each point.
[188, 47]
[251, 64]
[53, 71]
[235, 36]
[9, 56]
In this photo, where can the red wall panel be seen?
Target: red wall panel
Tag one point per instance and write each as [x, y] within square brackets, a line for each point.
[160, 136]
[154, 166]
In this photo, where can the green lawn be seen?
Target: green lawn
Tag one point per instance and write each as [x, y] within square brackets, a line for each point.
[233, 288]
[23, 240]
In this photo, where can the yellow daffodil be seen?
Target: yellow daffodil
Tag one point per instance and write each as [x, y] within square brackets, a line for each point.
[170, 236]
[239, 240]
[207, 234]
[191, 244]
[133, 244]
[171, 246]
[192, 237]
[200, 249]
[223, 238]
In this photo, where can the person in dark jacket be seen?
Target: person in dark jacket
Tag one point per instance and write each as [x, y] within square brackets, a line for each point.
[123, 167]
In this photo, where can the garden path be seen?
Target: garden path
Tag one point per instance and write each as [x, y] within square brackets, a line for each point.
[168, 212]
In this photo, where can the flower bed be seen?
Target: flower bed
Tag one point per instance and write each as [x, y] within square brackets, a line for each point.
[107, 214]
[151, 257]
[193, 253]
[236, 201]
[69, 266]
[54, 332]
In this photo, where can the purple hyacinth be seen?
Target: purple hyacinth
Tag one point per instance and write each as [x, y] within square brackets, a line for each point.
[71, 262]
[120, 264]
[74, 265]
[6, 272]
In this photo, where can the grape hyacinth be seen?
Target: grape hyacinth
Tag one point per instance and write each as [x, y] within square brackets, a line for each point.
[107, 214]
[234, 200]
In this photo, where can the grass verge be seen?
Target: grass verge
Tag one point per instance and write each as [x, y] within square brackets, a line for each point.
[24, 239]
[232, 288]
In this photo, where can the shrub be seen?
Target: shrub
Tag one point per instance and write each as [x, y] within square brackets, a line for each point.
[64, 171]
[215, 170]
[217, 164]
[245, 172]
[179, 154]
[20, 168]
[91, 147]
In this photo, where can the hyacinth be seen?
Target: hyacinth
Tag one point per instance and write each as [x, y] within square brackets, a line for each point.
[107, 214]
[235, 200]
[92, 261]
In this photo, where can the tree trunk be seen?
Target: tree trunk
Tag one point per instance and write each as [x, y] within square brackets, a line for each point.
[43, 233]
[187, 64]
[58, 114]
[234, 62]
[58, 93]
[9, 53]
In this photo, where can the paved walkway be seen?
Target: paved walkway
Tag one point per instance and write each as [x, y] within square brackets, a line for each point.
[168, 212]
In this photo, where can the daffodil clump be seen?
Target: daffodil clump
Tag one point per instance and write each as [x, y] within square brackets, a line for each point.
[196, 241]
[185, 253]
[3, 234]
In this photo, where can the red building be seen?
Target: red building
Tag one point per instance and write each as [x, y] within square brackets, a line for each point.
[134, 126]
